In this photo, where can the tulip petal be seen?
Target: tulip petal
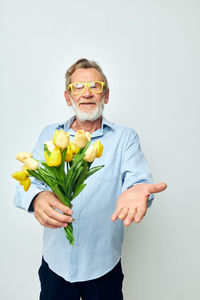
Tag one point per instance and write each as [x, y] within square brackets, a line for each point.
[69, 153]
[31, 164]
[81, 138]
[21, 156]
[50, 145]
[99, 148]
[90, 154]
[19, 175]
[75, 149]
[61, 139]
[27, 184]
[54, 159]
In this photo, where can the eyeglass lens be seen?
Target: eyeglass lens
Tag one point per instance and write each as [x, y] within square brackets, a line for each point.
[95, 87]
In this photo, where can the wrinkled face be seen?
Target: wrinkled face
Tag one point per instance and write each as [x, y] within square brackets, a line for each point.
[87, 106]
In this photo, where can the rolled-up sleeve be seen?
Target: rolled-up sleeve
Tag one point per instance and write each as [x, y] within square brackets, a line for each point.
[134, 165]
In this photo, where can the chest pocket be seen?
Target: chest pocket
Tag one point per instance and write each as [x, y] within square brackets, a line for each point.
[111, 169]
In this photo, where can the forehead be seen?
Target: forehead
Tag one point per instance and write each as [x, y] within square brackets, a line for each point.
[86, 75]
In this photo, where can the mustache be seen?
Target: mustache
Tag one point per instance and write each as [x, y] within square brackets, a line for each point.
[90, 101]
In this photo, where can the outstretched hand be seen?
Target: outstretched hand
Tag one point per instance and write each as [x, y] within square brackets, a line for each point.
[132, 204]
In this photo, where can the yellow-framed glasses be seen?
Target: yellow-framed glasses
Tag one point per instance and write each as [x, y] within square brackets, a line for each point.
[79, 88]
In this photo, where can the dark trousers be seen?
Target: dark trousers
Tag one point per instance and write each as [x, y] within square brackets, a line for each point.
[106, 287]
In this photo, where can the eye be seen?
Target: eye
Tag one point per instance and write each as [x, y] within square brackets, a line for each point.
[93, 85]
[78, 85]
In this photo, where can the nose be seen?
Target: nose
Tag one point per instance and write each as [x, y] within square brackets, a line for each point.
[87, 93]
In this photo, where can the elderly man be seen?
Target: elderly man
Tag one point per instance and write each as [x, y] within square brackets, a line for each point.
[115, 196]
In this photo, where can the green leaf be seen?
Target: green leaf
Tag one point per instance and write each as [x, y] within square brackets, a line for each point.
[69, 233]
[46, 178]
[46, 149]
[37, 176]
[73, 180]
[52, 170]
[82, 151]
[62, 166]
[78, 190]
[45, 173]
[77, 162]
[82, 175]
[93, 170]
[63, 198]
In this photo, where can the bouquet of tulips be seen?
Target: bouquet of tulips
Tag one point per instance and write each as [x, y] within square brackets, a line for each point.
[67, 165]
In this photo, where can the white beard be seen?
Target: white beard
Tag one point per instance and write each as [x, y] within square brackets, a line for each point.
[88, 116]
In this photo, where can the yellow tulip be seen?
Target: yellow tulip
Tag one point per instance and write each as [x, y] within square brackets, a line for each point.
[81, 138]
[24, 169]
[23, 179]
[88, 135]
[54, 159]
[19, 175]
[50, 145]
[27, 184]
[99, 148]
[23, 155]
[31, 164]
[21, 182]
[75, 149]
[61, 139]
[56, 134]
[90, 154]
[69, 153]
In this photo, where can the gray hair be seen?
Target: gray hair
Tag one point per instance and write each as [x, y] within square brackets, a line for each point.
[85, 64]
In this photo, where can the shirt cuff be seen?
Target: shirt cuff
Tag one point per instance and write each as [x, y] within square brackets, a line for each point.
[150, 200]
[24, 200]
[30, 208]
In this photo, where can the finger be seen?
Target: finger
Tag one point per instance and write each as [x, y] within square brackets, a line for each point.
[116, 213]
[139, 215]
[48, 221]
[123, 213]
[43, 224]
[59, 205]
[58, 216]
[157, 187]
[130, 217]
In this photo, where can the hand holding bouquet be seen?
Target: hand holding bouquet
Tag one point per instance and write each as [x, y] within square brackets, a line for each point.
[67, 165]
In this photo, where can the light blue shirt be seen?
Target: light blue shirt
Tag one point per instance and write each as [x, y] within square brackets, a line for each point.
[98, 240]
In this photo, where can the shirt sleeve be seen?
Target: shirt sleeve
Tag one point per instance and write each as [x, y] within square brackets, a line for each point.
[134, 165]
[24, 199]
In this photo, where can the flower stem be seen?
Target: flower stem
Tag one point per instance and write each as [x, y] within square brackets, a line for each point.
[69, 233]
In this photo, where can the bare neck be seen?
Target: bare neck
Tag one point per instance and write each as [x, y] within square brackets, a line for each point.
[90, 126]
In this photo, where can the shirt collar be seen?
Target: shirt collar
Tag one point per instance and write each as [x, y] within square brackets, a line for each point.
[66, 126]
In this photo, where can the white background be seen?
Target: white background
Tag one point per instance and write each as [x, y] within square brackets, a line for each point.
[149, 51]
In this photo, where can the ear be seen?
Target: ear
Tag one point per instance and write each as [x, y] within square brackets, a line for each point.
[106, 96]
[66, 94]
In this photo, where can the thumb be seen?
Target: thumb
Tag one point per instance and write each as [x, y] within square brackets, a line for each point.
[157, 187]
